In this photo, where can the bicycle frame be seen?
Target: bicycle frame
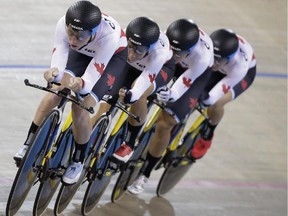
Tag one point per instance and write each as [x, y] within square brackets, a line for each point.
[98, 157]
[34, 166]
[198, 121]
[178, 162]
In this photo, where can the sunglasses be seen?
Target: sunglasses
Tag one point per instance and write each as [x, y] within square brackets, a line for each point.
[181, 53]
[79, 35]
[137, 48]
[225, 59]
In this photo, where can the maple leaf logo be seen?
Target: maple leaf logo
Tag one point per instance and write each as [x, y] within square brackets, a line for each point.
[99, 67]
[244, 84]
[164, 75]
[110, 80]
[152, 77]
[192, 102]
[187, 82]
[225, 88]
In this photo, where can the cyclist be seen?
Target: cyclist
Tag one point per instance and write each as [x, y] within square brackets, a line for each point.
[89, 55]
[234, 71]
[193, 54]
[149, 66]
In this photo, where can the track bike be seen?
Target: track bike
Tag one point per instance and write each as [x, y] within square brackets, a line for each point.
[60, 156]
[177, 162]
[105, 168]
[129, 175]
[33, 167]
[48, 188]
[131, 169]
[97, 162]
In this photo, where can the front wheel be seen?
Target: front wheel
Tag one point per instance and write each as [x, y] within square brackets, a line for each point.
[56, 164]
[177, 163]
[125, 179]
[44, 195]
[132, 170]
[172, 175]
[93, 193]
[31, 164]
[67, 193]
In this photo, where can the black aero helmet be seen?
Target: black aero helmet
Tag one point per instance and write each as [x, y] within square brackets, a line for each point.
[142, 31]
[83, 15]
[225, 42]
[182, 34]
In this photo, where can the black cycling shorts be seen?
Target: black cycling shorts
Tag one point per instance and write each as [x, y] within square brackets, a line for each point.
[238, 89]
[183, 106]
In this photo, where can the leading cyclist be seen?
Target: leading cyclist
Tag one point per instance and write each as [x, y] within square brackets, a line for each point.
[89, 55]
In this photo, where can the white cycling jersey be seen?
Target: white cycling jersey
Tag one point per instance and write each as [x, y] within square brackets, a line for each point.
[150, 65]
[197, 61]
[108, 40]
[235, 70]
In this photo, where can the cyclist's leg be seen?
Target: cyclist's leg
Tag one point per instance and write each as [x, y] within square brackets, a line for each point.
[172, 115]
[110, 82]
[158, 144]
[216, 110]
[125, 151]
[103, 107]
[116, 75]
[82, 128]
[82, 125]
[140, 109]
